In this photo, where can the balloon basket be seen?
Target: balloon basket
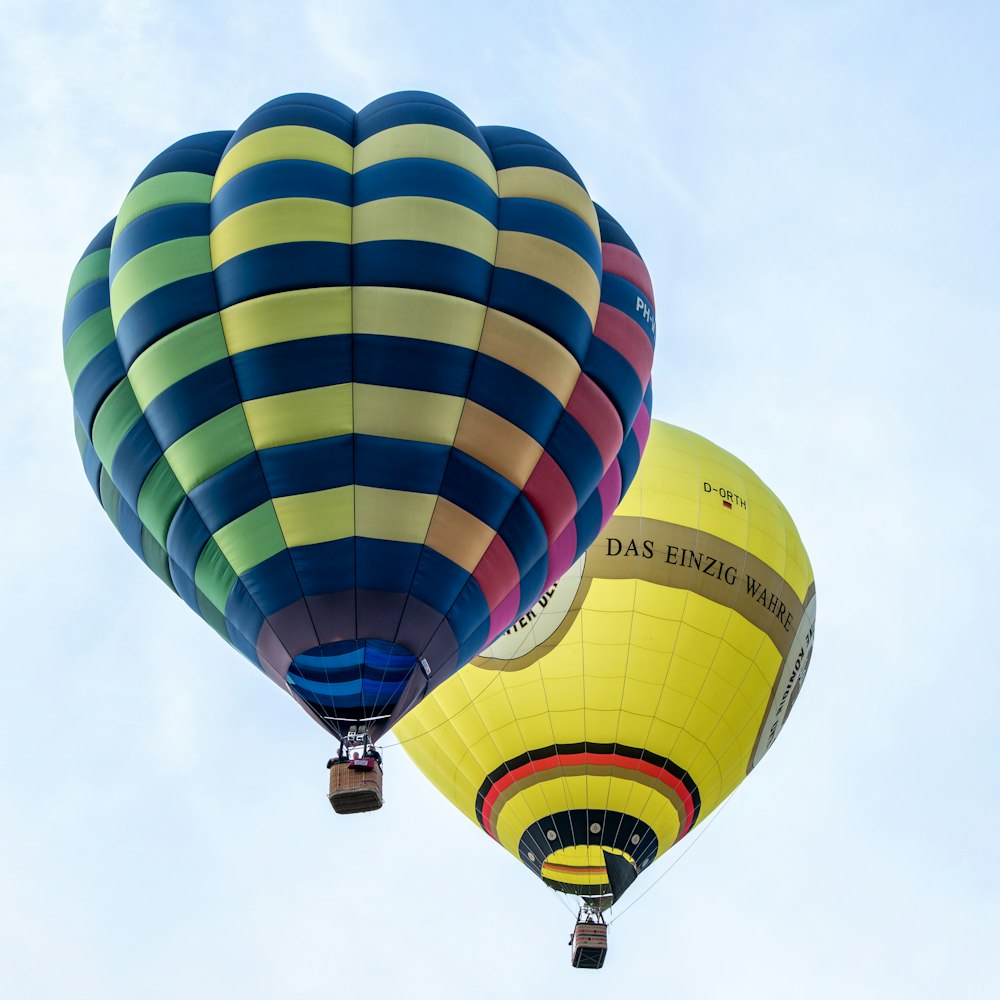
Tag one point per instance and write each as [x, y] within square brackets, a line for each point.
[590, 944]
[356, 785]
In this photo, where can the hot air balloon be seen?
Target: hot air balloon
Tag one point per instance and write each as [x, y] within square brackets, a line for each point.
[615, 715]
[345, 380]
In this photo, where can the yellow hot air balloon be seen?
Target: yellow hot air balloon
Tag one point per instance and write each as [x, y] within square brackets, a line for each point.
[614, 716]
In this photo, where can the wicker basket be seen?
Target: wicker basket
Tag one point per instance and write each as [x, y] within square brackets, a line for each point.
[356, 785]
[590, 945]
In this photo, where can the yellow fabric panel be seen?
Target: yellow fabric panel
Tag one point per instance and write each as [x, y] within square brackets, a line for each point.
[458, 535]
[284, 142]
[553, 263]
[549, 185]
[530, 350]
[408, 414]
[306, 415]
[434, 142]
[311, 518]
[280, 220]
[285, 316]
[497, 443]
[419, 315]
[428, 220]
[393, 515]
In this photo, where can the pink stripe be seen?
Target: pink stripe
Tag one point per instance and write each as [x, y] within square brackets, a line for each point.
[641, 426]
[594, 412]
[610, 489]
[563, 552]
[551, 495]
[504, 613]
[621, 261]
[627, 338]
[497, 573]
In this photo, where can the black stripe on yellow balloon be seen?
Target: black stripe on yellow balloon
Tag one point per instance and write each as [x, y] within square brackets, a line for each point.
[592, 758]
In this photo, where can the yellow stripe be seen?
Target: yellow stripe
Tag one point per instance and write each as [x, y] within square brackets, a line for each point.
[420, 315]
[394, 515]
[529, 350]
[408, 414]
[430, 220]
[307, 415]
[549, 185]
[433, 142]
[323, 516]
[284, 316]
[281, 220]
[553, 263]
[284, 142]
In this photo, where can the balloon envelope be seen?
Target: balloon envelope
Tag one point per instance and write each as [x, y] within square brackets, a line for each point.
[347, 382]
[642, 688]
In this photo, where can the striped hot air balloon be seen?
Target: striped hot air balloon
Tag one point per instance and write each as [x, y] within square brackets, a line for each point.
[613, 717]
[350, 384]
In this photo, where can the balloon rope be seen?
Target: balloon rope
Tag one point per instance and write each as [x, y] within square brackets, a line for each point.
[676, 860]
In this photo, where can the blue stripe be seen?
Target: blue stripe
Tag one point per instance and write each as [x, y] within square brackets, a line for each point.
[310, 110]
[325, 568]
[406, 363]
[192, 401]
[292, 366]
[199, 154]
[130, 527]
[544, 218]
[164, 310]
[103, 372]
[628, 459]
[524, 534]
[244, 620]
[274, 583]
[281, 179]
[87, 302]
[186, 537]
[414, 107]
[170, 222]
[515, 397]
[513, 147]
[308, 466]
[480, 490]
[134, 459]
[391, 464]
[469, 619]
[102, 241]
[532, 585]
[425, 178]
[429, 267]
[281, 268]
[544, 306]
[386, 565]
[92, 468]
[623, 295]
[229, 494]
[616, 377]
[612, 232]
[351, 699]
[437, 581]
[575, 453]
[588, 523]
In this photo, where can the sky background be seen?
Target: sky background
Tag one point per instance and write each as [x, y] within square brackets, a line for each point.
[814, 188]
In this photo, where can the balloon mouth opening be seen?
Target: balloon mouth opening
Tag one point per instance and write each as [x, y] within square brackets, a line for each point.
[352, 680]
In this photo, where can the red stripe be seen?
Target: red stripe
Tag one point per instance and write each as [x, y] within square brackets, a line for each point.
[621, 261]
[569, 760]
[497, 573]
[594, 412]
[628, 338]
[551, 495]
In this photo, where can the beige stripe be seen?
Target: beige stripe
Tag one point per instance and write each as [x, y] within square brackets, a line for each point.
[497, 443]
[458, 536]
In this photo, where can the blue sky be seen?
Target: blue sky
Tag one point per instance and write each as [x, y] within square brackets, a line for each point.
[814, 189]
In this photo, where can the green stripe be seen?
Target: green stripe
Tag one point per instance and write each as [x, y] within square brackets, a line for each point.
[159, 265]
[86, 342]
[156, 558]
[176, 356]
[81, 436]
[251, 538]
[159, 498]
[114, 420]
[210, 447]
[177, 188]
[91, 268]
[110, 495]
[213, 576]
[214, 616]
